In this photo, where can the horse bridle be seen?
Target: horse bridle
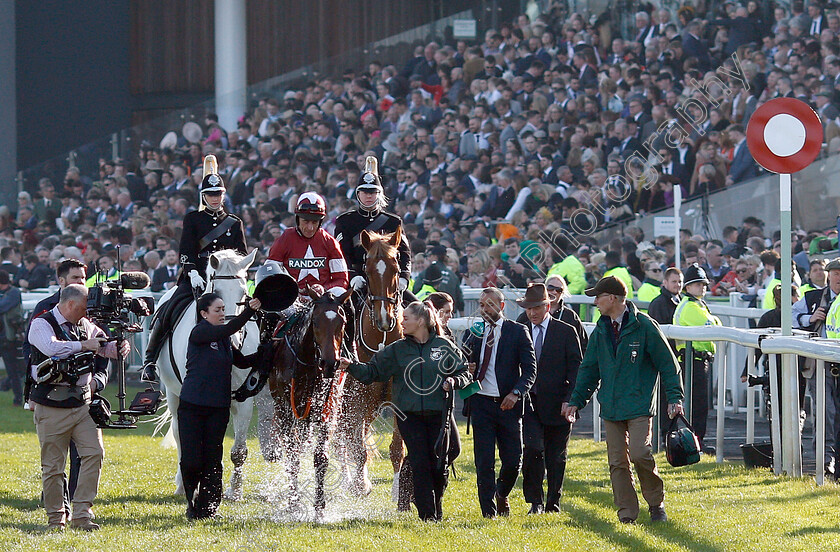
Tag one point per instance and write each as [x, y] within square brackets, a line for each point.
[211, 287]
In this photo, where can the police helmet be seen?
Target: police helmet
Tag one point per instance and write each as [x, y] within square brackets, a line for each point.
[695, 274]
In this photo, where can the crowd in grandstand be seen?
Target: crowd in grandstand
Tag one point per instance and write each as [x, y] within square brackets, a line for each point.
[489, 149]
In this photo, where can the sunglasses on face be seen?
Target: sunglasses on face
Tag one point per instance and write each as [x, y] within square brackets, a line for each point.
[554, 288]
[654, 270]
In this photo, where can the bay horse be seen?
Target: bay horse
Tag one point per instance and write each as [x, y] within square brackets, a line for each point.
[306, 390]
[377, 323]
[226, 276]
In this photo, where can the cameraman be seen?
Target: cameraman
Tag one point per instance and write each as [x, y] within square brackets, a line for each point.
[69, 271]
[61, 404]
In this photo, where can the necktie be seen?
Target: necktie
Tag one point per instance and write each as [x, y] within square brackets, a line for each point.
[616, 330]
[538, 341]
[171, 272]
[72, 330]
[488, 352]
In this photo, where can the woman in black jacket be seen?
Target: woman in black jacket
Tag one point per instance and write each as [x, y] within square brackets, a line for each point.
[204, 409]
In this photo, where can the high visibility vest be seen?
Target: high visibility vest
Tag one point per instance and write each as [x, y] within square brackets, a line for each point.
[622, 274]
[806, 288]
[832, 320]
[694, 312]
[573, 271]
[97, 277]
[648, 292]
[769, 303]
[424, 292]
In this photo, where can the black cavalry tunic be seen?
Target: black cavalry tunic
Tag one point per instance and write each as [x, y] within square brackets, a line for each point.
[198, 224]
[348, 230]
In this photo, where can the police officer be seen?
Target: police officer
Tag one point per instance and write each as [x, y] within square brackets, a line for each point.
[371, 216]
[61, 404]
[205, 231]
[693, 311]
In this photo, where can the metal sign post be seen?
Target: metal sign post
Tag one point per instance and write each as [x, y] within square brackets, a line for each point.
[784, 136]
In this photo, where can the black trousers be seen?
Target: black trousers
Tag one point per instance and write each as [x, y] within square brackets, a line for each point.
[420, 431]
[11, 355]
[546, 450]
[494, 427]
[202, 431]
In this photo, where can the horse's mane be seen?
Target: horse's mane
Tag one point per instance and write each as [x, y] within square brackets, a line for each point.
[381, 248]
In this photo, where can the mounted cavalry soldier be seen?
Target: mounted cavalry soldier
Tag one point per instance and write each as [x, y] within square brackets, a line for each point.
[205, 231]
[371, 216]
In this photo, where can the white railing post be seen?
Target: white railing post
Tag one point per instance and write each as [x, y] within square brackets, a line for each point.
[596, 418]
[721, 409]
[775, 430]
[751, 393]
[819, 414]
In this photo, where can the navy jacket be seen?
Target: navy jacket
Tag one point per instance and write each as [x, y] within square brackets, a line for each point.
[516, 363]
[210, 357]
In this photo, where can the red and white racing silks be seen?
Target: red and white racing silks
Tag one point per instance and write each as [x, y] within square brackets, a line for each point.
[317, 260]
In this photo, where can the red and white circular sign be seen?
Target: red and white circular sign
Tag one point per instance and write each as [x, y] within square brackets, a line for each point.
[784, 135]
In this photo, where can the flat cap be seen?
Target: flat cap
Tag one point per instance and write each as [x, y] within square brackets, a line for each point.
[611, 285]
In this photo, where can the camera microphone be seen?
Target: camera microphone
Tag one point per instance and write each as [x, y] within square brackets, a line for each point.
[135, 280]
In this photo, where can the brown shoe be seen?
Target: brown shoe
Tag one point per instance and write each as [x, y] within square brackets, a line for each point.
[502, 505]
[85, 524]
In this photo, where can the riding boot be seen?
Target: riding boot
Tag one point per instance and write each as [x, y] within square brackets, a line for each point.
[156, 335]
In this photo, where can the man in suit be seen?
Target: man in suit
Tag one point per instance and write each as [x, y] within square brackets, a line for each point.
[743, 165]
[503, 362]
[557, 292]
[672, 167]
[501, 197]
[48, 207]
[166, 274]
[545, 430]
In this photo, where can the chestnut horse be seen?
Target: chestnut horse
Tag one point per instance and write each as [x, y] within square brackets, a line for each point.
[306, 390]
[377, 323]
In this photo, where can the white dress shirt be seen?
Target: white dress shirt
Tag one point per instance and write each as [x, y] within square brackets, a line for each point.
[489, 385]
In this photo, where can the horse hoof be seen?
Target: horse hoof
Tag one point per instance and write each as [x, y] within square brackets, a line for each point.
[232, 495]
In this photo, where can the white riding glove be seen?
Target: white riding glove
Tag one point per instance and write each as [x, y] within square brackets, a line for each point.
[358, 282]
[403, 283]
[196, 280]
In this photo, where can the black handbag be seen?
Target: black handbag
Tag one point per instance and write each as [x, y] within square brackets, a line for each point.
[682, 447]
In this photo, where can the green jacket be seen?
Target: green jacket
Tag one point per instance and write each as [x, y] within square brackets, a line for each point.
[628, 377]
[418, 370]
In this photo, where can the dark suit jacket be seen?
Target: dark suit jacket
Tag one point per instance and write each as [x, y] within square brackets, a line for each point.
[516, 365]
[743, 165]
[161, 276]
[570, 317]
[556, 372]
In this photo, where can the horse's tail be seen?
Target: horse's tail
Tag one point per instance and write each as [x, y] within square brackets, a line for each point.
[161, 421]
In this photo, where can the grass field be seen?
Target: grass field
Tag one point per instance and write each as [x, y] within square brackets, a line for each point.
[712, 507]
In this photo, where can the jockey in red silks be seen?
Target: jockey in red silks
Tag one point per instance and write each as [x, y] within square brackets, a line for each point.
[311, 255]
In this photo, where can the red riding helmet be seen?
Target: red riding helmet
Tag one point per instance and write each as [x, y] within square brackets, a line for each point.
[311, 206]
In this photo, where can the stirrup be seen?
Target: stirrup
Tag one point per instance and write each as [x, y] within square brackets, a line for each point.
[149, 373]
